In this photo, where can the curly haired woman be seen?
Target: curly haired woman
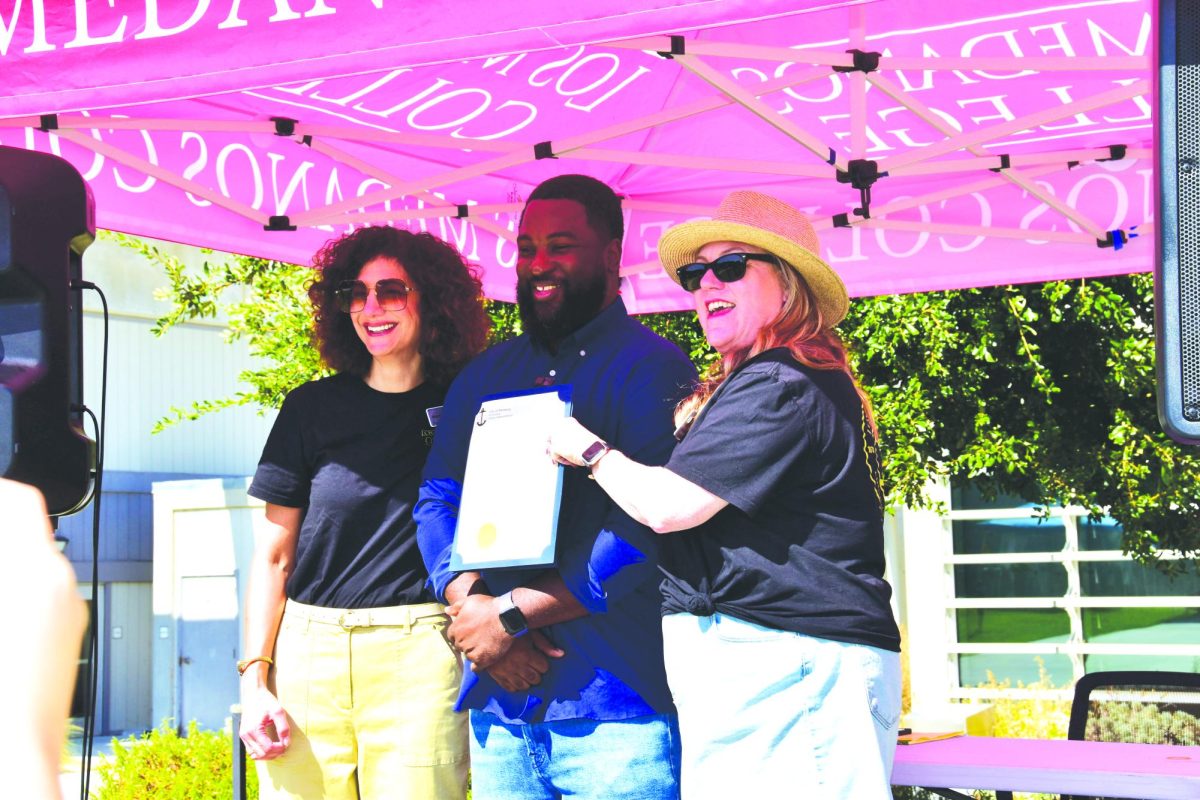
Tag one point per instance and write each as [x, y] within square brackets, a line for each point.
[348, 683]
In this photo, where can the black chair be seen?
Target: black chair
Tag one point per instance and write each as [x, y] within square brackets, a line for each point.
[1136, 706]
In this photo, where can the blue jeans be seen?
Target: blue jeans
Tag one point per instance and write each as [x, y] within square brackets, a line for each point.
[770, 713]
[633, 759]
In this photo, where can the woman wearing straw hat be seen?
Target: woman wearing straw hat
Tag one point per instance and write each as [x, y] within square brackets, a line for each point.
[781, 649]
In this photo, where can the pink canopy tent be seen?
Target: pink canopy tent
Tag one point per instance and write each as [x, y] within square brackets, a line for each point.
[964, 143]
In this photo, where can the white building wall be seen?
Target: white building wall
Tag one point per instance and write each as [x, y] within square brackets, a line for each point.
[148, 375]
[203, 530]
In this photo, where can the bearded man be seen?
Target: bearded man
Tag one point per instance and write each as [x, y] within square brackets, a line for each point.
[566, 693]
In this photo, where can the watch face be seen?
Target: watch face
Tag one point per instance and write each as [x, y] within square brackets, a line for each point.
[593, 451]
[513, 621]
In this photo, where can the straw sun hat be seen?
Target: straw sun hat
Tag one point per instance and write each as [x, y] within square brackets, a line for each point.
[766, 223]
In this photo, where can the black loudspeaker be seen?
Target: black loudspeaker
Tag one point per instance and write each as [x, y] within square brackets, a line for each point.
[1177, 272]
[47, 219]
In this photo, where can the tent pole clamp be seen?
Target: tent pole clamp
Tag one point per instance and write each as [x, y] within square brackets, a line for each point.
[1116, 239]
[279, 223]
[678, 48]
[1116, 152]
[863, 62]
[861, 173]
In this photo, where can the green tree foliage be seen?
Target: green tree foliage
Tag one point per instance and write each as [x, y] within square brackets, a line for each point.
[506, 322]
[1043, 391]
[683, 329]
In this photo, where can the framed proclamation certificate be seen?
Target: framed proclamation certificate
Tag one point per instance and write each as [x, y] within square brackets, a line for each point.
[508, 516]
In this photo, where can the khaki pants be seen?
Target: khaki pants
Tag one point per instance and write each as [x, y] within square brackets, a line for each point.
[370, 696]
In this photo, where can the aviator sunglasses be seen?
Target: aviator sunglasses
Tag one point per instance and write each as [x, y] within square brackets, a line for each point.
[390, 293]
[728, 268]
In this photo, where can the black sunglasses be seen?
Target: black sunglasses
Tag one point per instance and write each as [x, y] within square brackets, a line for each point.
[390, 293]
[728, 268]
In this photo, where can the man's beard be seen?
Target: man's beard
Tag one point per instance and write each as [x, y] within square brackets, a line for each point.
[580, 305]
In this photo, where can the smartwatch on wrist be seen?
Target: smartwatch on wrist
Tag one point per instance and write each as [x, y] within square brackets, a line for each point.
[594, 452]
[511, 618]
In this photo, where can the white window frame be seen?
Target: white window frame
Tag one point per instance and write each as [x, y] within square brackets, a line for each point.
[931, 605]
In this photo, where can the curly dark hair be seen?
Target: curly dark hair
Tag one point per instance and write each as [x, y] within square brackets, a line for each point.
[454, 326]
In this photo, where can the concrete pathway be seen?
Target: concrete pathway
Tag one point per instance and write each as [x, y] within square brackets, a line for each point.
[70, 775]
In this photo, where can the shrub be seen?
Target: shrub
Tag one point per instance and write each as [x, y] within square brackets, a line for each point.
[912, 793]
[1029, 718]
[1026, 718]
[1141, 722]
[163, 765]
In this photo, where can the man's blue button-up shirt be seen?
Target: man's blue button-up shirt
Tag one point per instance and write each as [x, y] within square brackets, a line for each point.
[625, 383]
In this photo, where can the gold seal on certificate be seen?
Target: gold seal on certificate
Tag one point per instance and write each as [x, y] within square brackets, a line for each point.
[508, 516]
[486, 536]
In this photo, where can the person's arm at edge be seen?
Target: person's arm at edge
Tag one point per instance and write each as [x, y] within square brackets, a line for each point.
[38, 698]
[274, 557]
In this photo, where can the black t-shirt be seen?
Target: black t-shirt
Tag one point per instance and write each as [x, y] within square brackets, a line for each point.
[800, 545]
[351, 457]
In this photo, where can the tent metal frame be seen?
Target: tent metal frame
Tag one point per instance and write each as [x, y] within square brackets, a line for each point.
[862, 69]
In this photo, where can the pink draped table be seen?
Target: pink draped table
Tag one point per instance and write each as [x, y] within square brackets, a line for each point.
[1104, 769]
